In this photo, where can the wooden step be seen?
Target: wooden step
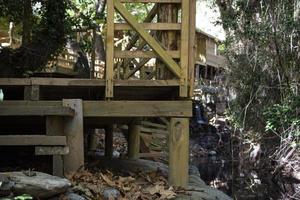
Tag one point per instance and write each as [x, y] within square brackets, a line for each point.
[32, 140]
[11, 108]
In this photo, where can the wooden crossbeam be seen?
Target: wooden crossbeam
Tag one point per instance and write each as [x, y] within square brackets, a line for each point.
[166, 58]
[150, 26]
[32, 140]
[25, 110]
[144, 54]
[137, 108]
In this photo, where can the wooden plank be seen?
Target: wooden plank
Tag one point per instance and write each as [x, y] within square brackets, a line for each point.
[156, 125]
[166, 58]
[53, 82]
[184, 48]
[109, 50]
[179, 152]
[153, 130]
[43, 151]
[192, 46]
[144, 54]
[32, 140]
[14, 81]
[73, 129]
[20, 110]
[150, 1]
[137, 108]
[150, 26]
[134, 130]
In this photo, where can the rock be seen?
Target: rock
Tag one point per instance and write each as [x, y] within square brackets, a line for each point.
[111, 193]
[198, 190]
[74, 196]
[40, 185]
[6, 186]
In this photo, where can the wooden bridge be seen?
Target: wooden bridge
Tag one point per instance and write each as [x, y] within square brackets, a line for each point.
[52, 114]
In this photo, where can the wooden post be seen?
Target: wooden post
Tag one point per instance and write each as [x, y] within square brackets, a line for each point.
[192, 46]
[73, 129]
[179, 151]
[32, 93]
[134, 130]
[109, 137]
[184, 48]
[55, 126]
[109, 67]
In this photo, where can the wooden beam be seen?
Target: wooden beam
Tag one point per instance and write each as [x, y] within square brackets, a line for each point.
[43, 151]
[179, 152]
[134, 130]
[53, 82]
[20, 110]
[150, 26]
[137, 108]
[184, 47]
[166, 58]
[32, 140]
[109, 75]
[73, 129]
[144, 54]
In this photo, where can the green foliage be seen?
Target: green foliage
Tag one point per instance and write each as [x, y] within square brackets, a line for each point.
[262, 48]
[23, 197]
[282, 116]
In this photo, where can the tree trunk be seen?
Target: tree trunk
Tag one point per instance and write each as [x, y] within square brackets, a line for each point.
[27, 22]
[167, 13]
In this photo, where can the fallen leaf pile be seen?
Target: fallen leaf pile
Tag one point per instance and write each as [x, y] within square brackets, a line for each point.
[140, 186]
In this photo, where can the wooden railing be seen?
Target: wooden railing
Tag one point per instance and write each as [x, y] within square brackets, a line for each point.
[179, 62]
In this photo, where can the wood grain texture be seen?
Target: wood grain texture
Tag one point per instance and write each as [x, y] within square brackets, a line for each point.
[179, 152]
[32, 140]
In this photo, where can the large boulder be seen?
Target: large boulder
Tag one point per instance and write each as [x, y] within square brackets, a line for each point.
[36, 184]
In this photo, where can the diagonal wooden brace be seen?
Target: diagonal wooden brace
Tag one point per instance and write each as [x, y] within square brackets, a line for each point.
[166, 58]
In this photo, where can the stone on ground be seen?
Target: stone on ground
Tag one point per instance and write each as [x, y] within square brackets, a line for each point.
[38, 185]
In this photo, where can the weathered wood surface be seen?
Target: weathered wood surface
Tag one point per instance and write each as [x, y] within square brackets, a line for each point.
[184, 58]
[83, 82]
[150, 26]
[134, 130]
[105, 108]
[144, 54]
[179, 151]
[58, 150]
[137, 108]
[54, 126]
[109, 68]
[33, 110]
[73, 130]
[32, 140]
[166, 58]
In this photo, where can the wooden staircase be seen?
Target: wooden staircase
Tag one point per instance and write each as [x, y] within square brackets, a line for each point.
[49, 143]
